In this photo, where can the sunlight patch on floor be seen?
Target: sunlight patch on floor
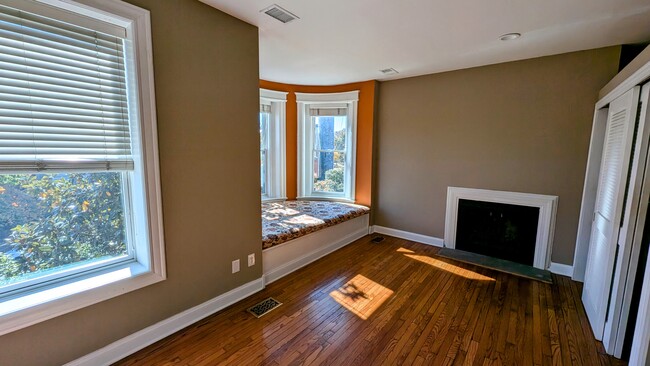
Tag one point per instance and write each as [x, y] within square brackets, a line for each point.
[361, 296]
[450, 268]
[404, 250]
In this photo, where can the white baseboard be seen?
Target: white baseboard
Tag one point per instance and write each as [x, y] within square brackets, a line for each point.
[285, 258]
[430, 240]
[147, 336]
[561, 269]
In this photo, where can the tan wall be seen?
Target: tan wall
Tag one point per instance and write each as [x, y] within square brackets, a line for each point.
[520, 126]
[639, 61]
[206, 74]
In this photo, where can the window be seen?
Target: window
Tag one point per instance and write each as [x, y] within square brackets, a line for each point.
[265, 116]
[272, 121]
[327, 145]
[79, 185]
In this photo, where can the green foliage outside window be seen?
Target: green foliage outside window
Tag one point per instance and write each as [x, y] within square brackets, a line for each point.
[52, 220]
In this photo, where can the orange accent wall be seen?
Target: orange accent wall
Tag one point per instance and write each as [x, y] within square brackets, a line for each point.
[365, 119]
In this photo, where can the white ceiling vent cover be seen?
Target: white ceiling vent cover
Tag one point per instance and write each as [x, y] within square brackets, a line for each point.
[277, 12]
[389, 71]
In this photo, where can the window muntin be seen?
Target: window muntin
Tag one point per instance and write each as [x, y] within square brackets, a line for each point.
[327, 145]
[78, 147]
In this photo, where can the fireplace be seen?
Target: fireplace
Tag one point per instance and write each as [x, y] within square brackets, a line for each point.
[497, 230]
[508, 225]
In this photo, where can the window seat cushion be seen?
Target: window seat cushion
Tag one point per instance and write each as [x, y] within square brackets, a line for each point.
[283, 221]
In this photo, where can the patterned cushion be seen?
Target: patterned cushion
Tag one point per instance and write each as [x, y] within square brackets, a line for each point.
[283, 221]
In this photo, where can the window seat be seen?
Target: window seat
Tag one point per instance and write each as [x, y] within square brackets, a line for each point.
[288, 220]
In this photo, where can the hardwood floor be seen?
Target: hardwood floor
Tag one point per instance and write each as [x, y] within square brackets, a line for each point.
[393, 303]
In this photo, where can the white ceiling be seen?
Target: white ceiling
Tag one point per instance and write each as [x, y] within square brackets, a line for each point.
[341, 41]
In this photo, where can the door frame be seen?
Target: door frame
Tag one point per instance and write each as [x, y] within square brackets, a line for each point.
[593, 168]
[640, 354]
[598, 309]
[640, 349]
[631, 234]
[589, 192]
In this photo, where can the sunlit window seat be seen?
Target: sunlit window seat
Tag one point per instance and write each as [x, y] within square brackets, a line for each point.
[296, 233]
[288, 220]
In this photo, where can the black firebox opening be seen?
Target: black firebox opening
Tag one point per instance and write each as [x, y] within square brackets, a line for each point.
[497, 230]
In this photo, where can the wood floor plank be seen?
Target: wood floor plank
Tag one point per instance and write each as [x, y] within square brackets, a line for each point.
[536, 329]
[393, 303]
[525, 354]
[487, 338]
[400, 341]
[407, 333]
[587, 333]
[448, 348]
[567, 351]
[577, 345]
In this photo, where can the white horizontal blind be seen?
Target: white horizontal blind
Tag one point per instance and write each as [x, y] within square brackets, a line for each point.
[63, 96]
[328, 111]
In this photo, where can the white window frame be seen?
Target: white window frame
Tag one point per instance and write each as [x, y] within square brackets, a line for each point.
[307, 101]
[32, 305]
[276, 171]
[264, 159]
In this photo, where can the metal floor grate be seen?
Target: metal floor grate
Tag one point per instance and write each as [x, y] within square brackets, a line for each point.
[377, 239]
[264, 307]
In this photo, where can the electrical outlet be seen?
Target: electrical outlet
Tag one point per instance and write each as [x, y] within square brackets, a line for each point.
[251, 259]
[235, 266]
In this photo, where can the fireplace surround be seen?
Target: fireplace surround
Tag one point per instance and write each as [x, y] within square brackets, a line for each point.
[543, 237]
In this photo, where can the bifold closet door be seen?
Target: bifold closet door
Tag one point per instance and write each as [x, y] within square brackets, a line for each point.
[631, 234]
[612, 183]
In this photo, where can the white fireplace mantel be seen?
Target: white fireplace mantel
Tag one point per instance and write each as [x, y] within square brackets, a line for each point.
[545, 227]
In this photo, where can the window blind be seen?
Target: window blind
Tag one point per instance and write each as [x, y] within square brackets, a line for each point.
[63, 96]
[330, 112]
[265, 108]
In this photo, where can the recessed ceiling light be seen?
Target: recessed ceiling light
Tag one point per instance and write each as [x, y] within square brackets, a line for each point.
[510, 36]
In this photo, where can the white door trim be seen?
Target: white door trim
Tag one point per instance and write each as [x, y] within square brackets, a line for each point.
[631, 234]
[640, 354]
[637, 77]
[546, 223]
[589, 192]
[606, 234]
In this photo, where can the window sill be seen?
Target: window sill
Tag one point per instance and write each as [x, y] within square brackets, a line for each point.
[325, 198]
[274, 199]
[21, 310]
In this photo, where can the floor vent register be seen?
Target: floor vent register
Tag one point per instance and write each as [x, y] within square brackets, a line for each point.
[264, 307]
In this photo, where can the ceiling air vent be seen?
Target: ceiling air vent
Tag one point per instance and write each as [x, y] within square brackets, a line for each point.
[279, 13]
[389, 71]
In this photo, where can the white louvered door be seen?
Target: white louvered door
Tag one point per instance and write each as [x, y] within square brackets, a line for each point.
[609, 208]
